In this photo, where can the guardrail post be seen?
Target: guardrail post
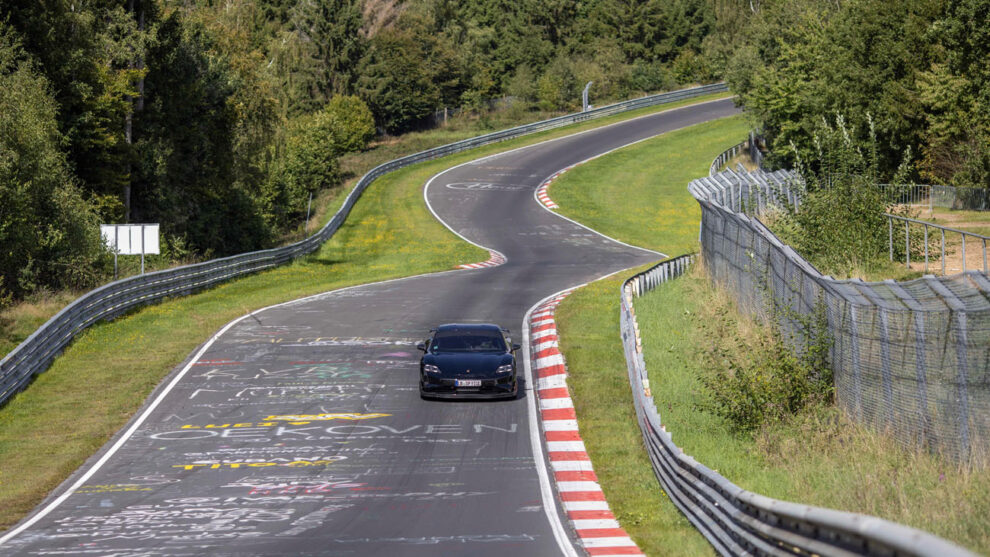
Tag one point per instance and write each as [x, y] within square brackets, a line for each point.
[857, 371]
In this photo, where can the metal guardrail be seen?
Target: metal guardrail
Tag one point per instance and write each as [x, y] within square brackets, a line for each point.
[36, 353]
[931, 196]
[981, 241]
[740, 522]
[725, 156]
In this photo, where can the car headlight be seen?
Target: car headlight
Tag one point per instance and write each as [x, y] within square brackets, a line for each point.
[430, 368]
[507, 368]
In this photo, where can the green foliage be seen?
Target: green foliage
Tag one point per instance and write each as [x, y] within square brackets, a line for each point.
[757, 380]
[955, 92]
[48, 232]
[396, 81]
[841, 223]
[920, 67]
[347, 122]
[330, 33]
[191, 114]
[309, 165]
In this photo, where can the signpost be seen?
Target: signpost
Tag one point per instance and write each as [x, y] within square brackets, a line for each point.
[130, 239]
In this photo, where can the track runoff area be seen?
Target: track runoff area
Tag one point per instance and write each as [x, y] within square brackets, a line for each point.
[299, 430]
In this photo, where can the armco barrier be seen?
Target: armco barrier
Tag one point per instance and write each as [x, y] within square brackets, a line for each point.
[910, 358]
[740, 522]
[36, 353]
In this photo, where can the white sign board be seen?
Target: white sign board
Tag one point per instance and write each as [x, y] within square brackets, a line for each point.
[131, 239]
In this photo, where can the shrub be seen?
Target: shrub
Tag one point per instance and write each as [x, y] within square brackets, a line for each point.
[347, 122]
[773, 382]
[841, 224]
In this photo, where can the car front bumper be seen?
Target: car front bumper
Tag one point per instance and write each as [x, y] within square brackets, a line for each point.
[445, 389]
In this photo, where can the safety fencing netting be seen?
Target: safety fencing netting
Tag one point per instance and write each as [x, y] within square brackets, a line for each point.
[909, 358]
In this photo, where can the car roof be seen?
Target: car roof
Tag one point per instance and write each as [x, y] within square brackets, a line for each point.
[467, 327]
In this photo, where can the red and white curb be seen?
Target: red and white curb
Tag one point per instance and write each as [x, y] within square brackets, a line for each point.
[542, 194]
[597, 529]
[494, 260]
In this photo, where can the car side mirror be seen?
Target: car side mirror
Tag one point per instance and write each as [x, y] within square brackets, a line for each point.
[421, 347]
[516, 346]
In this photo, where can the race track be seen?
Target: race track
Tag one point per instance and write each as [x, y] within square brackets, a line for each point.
[298, 430]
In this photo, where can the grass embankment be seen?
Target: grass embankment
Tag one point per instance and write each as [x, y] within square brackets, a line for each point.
[639, 195]
[818, 457]
[90, 392]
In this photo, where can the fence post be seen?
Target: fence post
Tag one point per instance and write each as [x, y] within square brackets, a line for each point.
[963, 252]
[958, 312]
[943, 252]
[857, 372]
[907, 243]
[921, 364]
[890, 236]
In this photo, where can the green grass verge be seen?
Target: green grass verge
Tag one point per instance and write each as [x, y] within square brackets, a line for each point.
[71, 410]
[819, 457]
[638, 195]
[588, 323]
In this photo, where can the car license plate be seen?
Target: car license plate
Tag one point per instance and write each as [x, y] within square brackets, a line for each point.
[469, 382]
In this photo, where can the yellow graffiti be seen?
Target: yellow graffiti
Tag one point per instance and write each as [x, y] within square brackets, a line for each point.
[291, 419]
[292, 464]
[318, 417]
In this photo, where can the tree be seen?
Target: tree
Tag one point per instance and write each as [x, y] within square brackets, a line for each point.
[955, 91]
[395, 81]
[347, 123]
[331, 31]
[49, 234]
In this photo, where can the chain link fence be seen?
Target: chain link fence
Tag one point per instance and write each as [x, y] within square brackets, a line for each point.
[733, 520]
[909, 358]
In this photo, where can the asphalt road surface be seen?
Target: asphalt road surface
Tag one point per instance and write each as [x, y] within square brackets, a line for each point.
[299, 430]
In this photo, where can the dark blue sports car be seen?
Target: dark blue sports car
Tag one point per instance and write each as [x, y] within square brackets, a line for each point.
[468, 361]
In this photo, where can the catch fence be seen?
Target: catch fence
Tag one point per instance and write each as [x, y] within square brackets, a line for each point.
[910, 358]
[36, 353]
[736, 521]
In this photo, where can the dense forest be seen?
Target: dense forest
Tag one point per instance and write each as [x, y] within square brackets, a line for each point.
[217, 119]
[913, 73]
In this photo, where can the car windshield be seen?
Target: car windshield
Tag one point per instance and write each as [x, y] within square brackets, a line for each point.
[468, 341]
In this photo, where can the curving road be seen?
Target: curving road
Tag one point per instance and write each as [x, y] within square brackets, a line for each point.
[298, 430]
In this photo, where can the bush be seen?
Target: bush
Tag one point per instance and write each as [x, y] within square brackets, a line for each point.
[772, 383]
[841, 223]
[310, 163]
[348, 122]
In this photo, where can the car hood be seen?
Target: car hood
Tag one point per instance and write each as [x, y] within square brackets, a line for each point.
[457, 364]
